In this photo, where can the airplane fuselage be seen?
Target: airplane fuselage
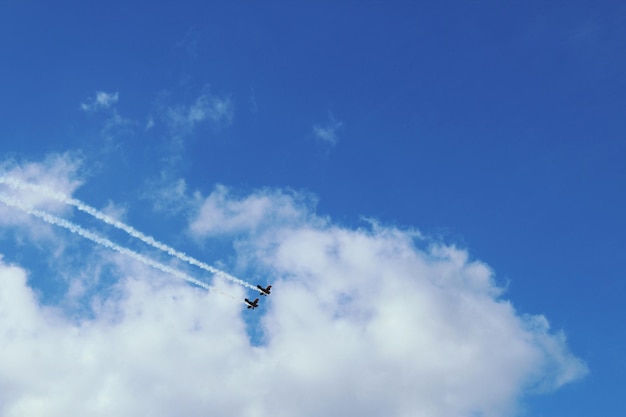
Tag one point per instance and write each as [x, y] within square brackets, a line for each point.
[252, 304]
[264, 291]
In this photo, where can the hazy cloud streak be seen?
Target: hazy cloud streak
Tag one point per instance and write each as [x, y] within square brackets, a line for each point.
[15, 183]
[74, 228]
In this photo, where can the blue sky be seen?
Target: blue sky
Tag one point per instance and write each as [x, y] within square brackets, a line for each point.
[471, 156]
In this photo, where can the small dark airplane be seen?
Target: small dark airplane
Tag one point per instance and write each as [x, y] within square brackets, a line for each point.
[252, 304]
[264, 291]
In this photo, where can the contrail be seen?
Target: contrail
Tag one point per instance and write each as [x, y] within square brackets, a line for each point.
[21, 185]
[74, 228]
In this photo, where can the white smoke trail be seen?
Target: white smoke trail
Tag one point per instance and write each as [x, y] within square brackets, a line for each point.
[74, 228]
[21, 185]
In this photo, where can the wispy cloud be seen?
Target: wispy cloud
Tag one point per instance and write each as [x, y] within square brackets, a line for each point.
[252, 101]
[114, 127]
[224, 213]
[219, 111]
[327, 132]
[169, 196]
[190, 43]
[178, 121]
[102, 100]
[56, 171]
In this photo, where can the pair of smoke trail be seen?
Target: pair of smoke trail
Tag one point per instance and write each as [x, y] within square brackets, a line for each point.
[57, 221]
[21, 185]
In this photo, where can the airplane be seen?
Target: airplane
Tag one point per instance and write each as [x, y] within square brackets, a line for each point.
[264, 291]
[252, 304]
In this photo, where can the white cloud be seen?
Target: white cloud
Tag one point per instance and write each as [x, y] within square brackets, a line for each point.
[219, 111]
[221, 213]
[327, 132]
[102, 100]
[190, 43]
[169, 196]
[119, 362]
[58, 172]
[418, 327]
[114, 210]
[149, 123]
[114, 127]
[360, 322]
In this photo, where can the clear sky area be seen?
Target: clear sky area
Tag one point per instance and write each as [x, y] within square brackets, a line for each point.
[434, 190]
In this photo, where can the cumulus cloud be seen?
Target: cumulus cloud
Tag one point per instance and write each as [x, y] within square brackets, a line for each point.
[102, 100]
[398, 329]
[370, 321]
[120, 361]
